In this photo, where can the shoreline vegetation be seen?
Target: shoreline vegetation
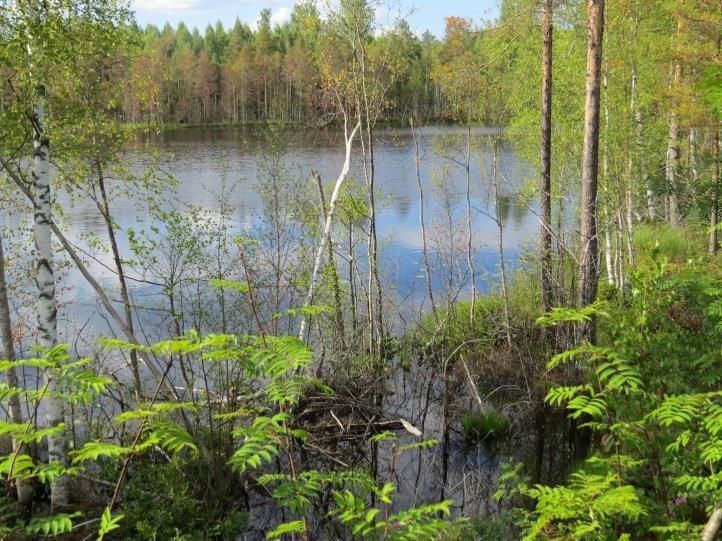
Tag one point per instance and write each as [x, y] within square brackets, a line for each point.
[169, 378]
[334, 124]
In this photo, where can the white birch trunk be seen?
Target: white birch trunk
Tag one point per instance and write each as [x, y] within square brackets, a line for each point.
[672, 162]
[102, 296]
[630, 230]
[327, 227]
[712, 527]
[611, 277]
[45, 281]
[47, 334]
[630, 177]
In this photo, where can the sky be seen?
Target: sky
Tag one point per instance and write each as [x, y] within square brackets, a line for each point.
[422, 15]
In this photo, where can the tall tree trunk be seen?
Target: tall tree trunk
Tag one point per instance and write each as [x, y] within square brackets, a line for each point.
[7, 353]
[45, 281]
[546, 155]
[630, 174]
[630, 229]
[469, 233]
[693, 169]
[589, 260]
[714, 214]
[713, 525]
[619, 254]
[608, 249]
[672, 162]
[424, 247]
[500, 227]
[122, 280]
[338, 309]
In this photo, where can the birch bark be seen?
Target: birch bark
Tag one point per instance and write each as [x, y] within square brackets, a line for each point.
[327, 227]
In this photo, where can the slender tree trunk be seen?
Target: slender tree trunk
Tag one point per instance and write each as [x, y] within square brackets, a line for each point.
[589, 260]
[619, 257]
[327, 227]
[424, 247]
[608, 249]
[692, 140]
[714, 214]
[373, 252]
[630, 228]
[500, 226]
[630, 175]
[470, 236]
[338, 310]
[45, 281]
[7, 353]
[122, 281]
[610, 255]
[352, 280]
[546, 155]
[713, 525]
[672, 162]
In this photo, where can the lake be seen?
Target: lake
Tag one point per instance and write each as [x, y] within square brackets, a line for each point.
[208, 162]
[201, 160]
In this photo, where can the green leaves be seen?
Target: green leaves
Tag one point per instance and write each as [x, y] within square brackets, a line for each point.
[297, 526]
[108, 523]
[584, 508]
[416, 523]
[653, 398]
[93, 450]
[572, 315]
[281, 355]
[236, 286]
[170, 437]
[612, 375]
[261, 442]
[52, 525]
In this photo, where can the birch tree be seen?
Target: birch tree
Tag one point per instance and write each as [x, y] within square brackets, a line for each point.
[326, 234]
[45, 44]
[47, 331]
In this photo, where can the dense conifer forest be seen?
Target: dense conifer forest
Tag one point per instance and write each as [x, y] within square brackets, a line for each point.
[341, 278]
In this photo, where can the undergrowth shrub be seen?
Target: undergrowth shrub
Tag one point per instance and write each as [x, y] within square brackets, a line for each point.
[162, 479]
[649, 391]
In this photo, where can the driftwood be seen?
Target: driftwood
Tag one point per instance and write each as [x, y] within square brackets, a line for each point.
[344, 417]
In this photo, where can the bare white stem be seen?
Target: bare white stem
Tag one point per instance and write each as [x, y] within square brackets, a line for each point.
[327, 227]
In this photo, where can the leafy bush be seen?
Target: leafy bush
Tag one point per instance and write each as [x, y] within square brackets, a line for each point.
[650, 392]
[178, 484]
[484, 426]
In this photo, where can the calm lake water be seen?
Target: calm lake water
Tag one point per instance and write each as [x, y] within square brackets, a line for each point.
[206, 162]
[200, 158]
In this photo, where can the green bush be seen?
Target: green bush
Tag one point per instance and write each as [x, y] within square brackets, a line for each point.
[675, 245]
[167, 501]
[484, 426]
